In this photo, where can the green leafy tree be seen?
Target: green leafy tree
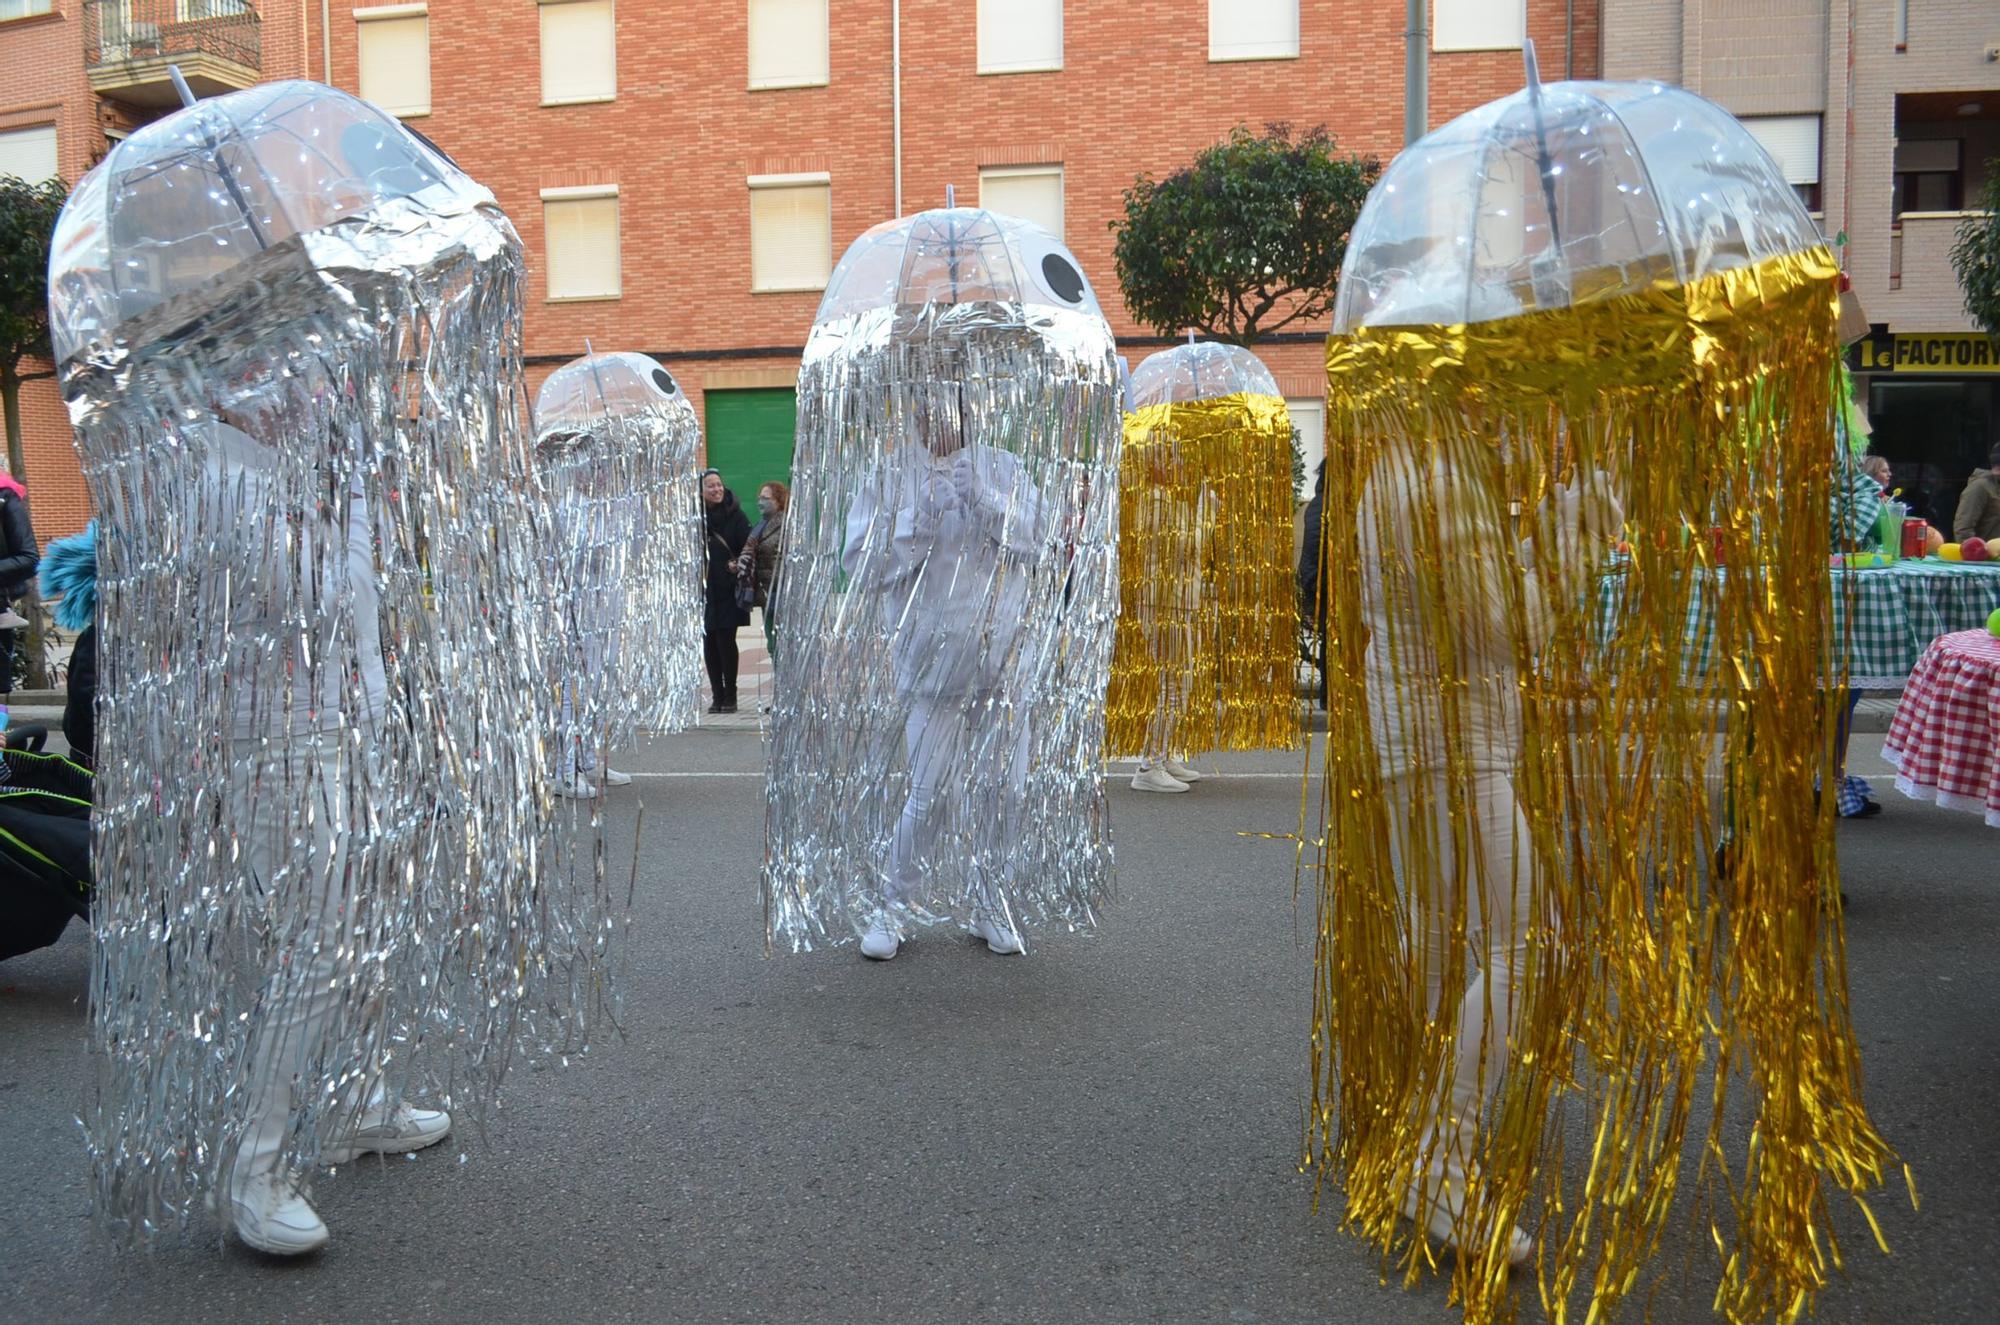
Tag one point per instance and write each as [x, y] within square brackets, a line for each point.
[1976, 256]
[1246, 241]
[27, 223]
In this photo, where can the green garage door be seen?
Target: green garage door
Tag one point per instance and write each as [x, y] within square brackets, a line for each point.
[750, 440]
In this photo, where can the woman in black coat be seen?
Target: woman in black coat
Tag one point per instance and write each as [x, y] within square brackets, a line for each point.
[18, 558]
[728, 528]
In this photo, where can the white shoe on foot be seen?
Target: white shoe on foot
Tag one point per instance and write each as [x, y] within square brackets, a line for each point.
[1438, 1211]
[1156, 779]
[273, 1216]
[576, 787]
[1180, 772]
[999, 936]
[613, 778]
[394, 1131]
[882, 941]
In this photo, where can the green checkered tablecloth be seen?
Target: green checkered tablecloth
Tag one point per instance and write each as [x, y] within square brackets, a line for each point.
[1896, 611]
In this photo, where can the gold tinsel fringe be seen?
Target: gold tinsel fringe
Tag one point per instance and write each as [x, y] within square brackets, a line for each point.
[1208, 611]
[1652, 991]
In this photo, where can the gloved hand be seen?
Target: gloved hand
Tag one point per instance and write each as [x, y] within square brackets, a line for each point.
[1580, 519]
[965, 480]
[936, 498]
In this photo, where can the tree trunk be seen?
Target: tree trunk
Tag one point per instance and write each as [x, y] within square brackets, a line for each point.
[30, 605]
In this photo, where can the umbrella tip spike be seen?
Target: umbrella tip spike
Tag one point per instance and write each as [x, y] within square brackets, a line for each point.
[950, 196]
[181, 87]
[1533, 70]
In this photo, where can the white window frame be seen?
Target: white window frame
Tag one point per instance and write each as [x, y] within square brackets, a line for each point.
[986, 66]
[800, 180]
[1313, 444]
[541, 8]
[55, 145]
[586, 193]
[1265, 51]
[773, 84]
[1027, 172]
[386, 13]
[1480, 43]
[48, 7]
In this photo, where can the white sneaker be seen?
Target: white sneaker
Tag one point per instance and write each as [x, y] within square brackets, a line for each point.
[1440, 1219]
[613, 778]
[1156, 779]
[394, 1131]
[882, 941]
[272, 1215]
[576, 787]
[1000, 937]
[1181, 772]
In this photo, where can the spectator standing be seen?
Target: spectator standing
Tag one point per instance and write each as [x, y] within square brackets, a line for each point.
[722, 617]
[757, 568]
[1978, 513]
[19, 556]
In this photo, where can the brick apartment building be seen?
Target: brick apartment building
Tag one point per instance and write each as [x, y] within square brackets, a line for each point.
[684, 172]
[1886, 115]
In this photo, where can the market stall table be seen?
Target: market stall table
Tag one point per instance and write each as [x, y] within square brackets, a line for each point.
[1944, 741]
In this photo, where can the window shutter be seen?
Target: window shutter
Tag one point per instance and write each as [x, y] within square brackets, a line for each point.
[29, 153]
[791, 236]
[1031, 193]
[581, 245]
[1930, 156]
[1478, 25]
[1016, 36]
[396, 60]
[788, 43]
[1792, 141]
[579, 51]
[1253, 29]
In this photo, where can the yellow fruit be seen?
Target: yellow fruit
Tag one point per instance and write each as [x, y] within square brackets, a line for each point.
[1950, 552]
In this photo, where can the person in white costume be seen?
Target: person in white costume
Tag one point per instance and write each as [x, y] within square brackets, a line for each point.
[1453, 501]
[299, 743]
[1173, 536]
[954, 517]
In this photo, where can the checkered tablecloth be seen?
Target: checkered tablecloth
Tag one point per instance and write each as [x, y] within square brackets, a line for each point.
[1944, 741]
[1896, 611]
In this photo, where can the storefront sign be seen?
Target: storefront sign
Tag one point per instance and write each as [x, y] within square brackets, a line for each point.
[1927, 352]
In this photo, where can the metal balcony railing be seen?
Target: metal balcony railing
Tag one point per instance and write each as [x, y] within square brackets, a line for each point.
[116, 31]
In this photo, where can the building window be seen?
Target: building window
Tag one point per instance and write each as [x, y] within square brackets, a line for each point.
[1793, 142]
[29, 153]
[579, 51]
[1308, 415]
[788, 43]
[1930, 175]
[24, 8]
[1253, 29]
[791, 232]
[1020, 36]
[1479, 25]
[580, 228]
[395, 42]
[1033, 193]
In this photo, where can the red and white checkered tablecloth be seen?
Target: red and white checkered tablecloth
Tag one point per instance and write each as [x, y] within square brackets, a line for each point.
[1944, 741]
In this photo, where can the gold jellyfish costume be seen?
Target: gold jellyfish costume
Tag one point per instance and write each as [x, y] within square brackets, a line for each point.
[1207, 646]
[1581, 390]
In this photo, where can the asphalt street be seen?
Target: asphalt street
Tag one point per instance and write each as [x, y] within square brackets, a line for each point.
[1105, 1130]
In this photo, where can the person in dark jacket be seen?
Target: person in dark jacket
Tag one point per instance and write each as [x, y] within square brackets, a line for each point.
[757, 567]
[1978, 514]
[19, 556]
[728, 529]
[1312, 603]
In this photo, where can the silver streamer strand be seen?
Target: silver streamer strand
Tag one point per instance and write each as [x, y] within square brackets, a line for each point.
[951, 586]
[290, 339]
[617, 451]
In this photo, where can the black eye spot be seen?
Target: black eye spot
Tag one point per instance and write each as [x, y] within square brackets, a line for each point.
[662, 380]
[1063, 279]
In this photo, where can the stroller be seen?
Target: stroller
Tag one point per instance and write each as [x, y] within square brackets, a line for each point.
[44, 844]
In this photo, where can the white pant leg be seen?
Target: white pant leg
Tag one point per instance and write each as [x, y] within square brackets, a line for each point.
[299, 861]
[934, 743]
[1496, 871]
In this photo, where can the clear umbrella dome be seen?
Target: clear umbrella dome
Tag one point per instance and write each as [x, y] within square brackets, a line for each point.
[1200, 371]
[585, 391]
[191, 197]
[955, 255]
[1563, 194]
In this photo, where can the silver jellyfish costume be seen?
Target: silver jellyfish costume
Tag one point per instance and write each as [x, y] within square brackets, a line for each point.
[617, 452]
[289, 336]
[951, 589]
